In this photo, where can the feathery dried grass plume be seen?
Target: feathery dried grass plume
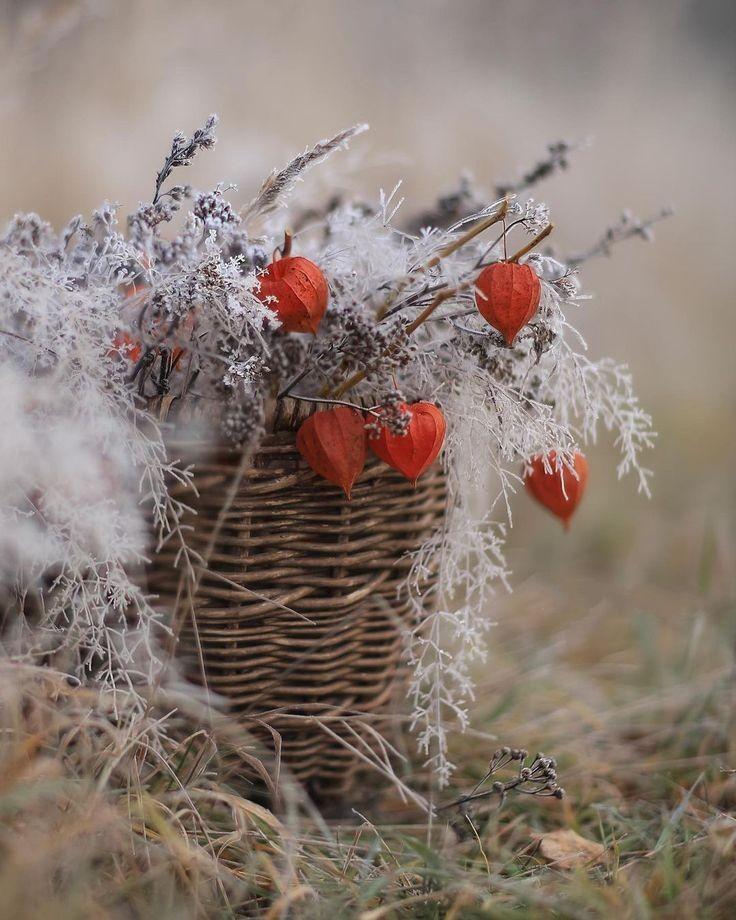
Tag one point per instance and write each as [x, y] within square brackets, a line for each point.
[278, 186]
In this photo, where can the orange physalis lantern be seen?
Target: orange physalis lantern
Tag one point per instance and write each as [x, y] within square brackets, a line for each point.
[414, 452]
[507, 296]
[300, 291]
[334, 445]
[125, 346]
[561, 490]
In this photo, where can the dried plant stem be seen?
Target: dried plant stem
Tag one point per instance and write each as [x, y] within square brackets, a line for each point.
[430, 308]
[439, 298]
[373, 761]
[280, 183]
[303, 373]
[624, 229]
[448, 250]
[286, 391]
[539, 779]
[284, 251]
[474, 231]
[22, 338]
[445, 294]
[503, 236]
[334, 402]
[543, 234]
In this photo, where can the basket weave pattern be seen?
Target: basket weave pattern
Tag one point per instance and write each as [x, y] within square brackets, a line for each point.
[298, 616]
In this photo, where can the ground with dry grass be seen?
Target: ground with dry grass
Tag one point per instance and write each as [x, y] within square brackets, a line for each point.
[615, 660]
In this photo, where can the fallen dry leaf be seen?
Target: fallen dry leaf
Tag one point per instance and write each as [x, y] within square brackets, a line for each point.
[565, 849]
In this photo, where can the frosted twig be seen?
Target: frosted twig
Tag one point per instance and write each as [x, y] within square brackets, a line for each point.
[625, 228]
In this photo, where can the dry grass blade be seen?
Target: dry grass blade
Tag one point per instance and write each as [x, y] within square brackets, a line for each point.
[278, 186]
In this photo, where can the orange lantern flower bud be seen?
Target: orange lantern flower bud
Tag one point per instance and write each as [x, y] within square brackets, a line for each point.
[507, 296]
[333, 443]
[414, 452]
[561, 490]
[300, 291]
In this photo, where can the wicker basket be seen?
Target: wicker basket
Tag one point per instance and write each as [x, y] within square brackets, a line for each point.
[298, 616]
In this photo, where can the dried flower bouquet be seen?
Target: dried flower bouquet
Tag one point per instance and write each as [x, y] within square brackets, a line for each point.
[449, 339]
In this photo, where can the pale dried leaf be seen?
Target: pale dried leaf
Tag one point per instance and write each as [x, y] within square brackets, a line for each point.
[566, 849]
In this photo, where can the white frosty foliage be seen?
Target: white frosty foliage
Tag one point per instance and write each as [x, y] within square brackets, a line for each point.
[502, 409]
[451, 622]
[591, 392]
[76, 461]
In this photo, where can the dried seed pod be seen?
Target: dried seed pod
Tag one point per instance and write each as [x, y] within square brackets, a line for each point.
[414, 452]
[300, 291]
[561, 490]
[333, 443]
[507, 296]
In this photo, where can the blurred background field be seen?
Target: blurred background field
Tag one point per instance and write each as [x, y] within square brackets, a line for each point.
[616, 648]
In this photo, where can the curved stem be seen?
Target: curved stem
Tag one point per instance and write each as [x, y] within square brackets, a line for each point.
[334, 402]
[283, 251]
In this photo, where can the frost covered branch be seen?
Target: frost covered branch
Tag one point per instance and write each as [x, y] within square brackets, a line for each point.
[625, 228]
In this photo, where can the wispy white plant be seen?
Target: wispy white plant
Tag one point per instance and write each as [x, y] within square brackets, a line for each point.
[78, 462]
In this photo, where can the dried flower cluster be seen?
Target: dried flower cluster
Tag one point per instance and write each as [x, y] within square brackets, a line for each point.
[205, 313]
[539, 777]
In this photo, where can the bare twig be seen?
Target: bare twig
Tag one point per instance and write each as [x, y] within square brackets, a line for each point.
[22, 338]
[539, 778]
[183, 151]
[555, 161]
[447, 250]
[334, 402]
[543, 234]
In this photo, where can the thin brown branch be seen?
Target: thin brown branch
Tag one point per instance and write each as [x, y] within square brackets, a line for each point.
[456, 244]
[542, 235]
